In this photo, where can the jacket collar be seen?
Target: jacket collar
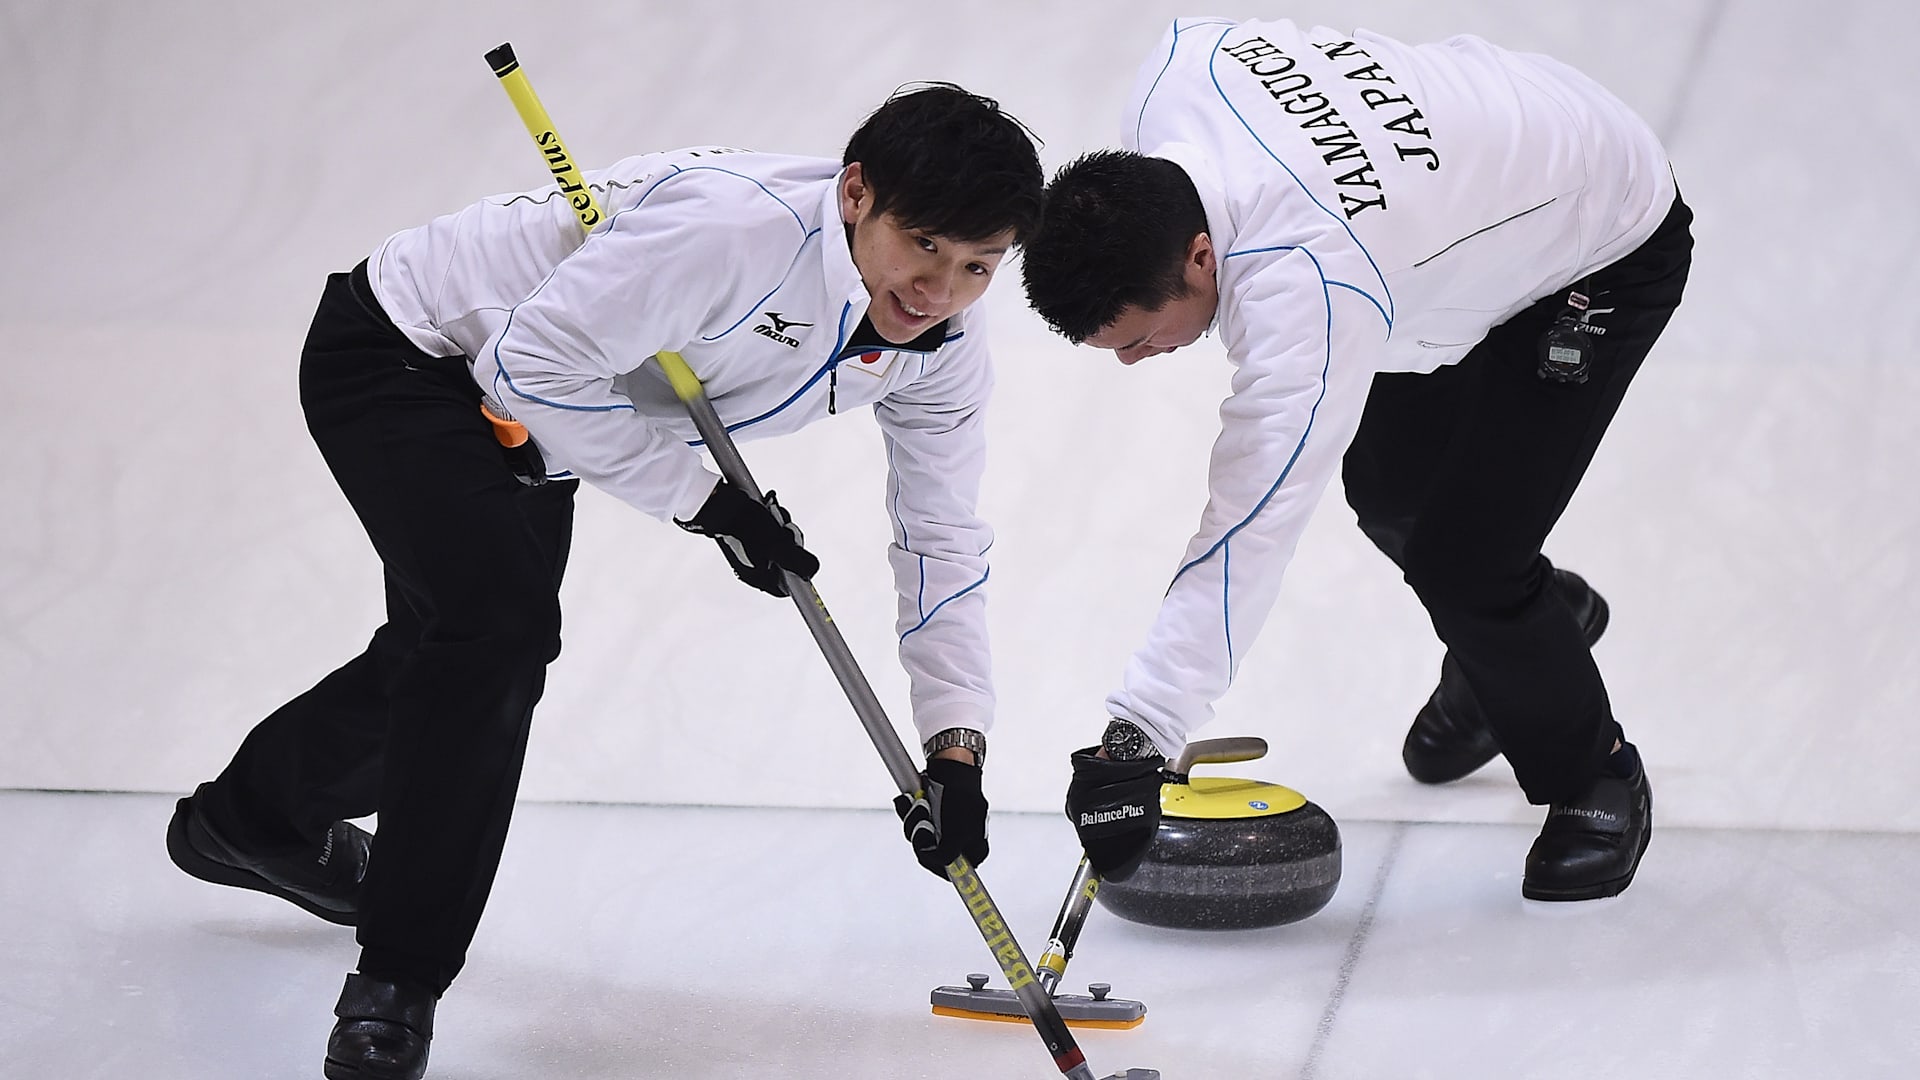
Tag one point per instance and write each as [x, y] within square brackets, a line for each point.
[842, 277]
[1213, 200]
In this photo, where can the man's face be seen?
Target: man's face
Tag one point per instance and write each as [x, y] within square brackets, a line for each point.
[1137, 333]
[915, 278]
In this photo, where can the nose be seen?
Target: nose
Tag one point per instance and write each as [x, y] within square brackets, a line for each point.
[935, 287]
[1137, 353]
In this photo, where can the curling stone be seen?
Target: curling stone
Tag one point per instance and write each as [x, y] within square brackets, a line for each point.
[1230, 854]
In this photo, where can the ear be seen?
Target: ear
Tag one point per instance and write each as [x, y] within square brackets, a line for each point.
[855, 195]
[1200, 253]
[1201, 266]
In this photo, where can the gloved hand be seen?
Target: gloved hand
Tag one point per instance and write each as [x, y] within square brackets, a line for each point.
[1115, 807]
[758, 539]
[950, 819]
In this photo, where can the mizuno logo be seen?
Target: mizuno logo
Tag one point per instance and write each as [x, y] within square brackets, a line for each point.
[776, 328]
[1119, 813]
[767, 331]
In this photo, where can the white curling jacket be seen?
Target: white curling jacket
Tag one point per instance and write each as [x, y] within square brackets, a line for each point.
[739, 262]
[1375, 206]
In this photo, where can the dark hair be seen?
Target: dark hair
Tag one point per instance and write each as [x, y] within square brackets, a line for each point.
[1115, 235]
[949, 163]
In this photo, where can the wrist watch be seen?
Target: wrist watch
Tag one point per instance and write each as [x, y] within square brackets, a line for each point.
[965, 738]
[1125, 742]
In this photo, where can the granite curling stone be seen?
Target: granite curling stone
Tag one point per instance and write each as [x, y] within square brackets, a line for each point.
[1230, 854]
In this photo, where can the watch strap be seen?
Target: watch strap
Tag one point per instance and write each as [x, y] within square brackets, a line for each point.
[965, 738]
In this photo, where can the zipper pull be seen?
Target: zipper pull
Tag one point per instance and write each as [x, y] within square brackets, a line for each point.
[833, 385]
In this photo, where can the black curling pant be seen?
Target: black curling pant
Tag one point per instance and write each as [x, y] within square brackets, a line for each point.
[1459, 475]
[429, 725]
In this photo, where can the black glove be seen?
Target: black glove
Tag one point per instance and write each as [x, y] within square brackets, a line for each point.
[950, 820]
[1115, 807]
[758, 539]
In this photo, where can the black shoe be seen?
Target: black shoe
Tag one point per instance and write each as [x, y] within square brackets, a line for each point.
[323, 879]
[383, 1031]
[1449, 738]
[1590, 846]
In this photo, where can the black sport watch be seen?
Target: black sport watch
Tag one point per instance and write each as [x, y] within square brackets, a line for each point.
[1124, 742]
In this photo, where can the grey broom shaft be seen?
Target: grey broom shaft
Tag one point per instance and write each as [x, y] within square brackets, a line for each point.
[1036, 999]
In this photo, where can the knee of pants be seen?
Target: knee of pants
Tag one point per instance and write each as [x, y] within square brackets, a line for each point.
[1467, 581]
[1389, 535]
[534, 636]
[505, 631]
[1388, 527]
[535, 644]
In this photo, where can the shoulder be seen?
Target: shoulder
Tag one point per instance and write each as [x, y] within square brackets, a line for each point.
[739, 216]
[731, 192]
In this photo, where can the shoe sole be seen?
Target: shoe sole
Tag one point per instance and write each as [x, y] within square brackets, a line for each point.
[340, 1070]
[197, 865]
[1601, 891]
[335, 1069]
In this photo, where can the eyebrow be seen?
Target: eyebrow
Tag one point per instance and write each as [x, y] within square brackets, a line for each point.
[937, 237]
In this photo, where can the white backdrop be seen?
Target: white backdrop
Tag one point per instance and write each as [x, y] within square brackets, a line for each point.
[176, 562]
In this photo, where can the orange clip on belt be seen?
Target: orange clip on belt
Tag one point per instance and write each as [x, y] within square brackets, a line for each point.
[509, 433]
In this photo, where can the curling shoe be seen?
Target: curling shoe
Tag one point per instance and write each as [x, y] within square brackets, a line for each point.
[383, 1031]
[1449, 738]
[323, 879]
[1590, 846]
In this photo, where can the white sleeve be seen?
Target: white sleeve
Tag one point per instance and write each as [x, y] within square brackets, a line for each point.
[1304, 359]
[935, 433]
[648, 281]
